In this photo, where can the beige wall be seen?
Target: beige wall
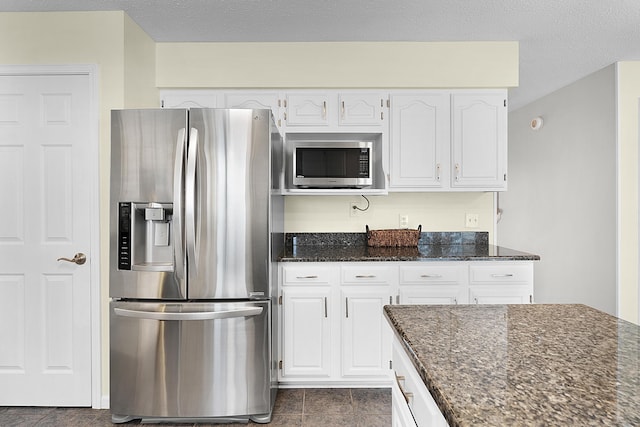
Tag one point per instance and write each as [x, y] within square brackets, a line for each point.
[434, 211]
[628, 93]
[338, 65]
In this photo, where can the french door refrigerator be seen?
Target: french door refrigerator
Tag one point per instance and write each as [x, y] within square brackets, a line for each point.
[196, 223]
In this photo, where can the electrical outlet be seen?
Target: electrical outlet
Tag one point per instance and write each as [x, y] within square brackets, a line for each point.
[404, 221]
[471, 220]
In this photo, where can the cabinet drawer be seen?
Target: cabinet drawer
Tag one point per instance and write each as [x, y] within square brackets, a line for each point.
[306, 274]
[501, 273]
[369, 274]
[432, 274]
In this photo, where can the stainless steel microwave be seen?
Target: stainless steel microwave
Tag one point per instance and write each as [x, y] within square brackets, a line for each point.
[332, 164]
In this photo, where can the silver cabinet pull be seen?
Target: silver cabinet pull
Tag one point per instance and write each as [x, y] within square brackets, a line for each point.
[78, 258]
[502, 275]
[431, 276]
[365, 276]
[438, 172]
[347, 306]
[306, 277]
[324, 109]
[457, 171]
[325, 307]
[342, 110]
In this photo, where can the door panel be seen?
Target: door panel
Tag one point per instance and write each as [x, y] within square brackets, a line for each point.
[45, 191]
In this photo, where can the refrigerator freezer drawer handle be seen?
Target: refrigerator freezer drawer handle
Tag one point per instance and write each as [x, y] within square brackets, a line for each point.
[203, 315]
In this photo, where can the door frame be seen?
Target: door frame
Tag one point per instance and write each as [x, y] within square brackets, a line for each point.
[91, 71]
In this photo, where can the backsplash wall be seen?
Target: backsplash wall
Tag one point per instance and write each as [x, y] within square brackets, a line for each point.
[434, 211]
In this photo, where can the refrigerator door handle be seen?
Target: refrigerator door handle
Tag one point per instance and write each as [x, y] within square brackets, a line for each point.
[178, 171]
[190, 201]
[202, 315]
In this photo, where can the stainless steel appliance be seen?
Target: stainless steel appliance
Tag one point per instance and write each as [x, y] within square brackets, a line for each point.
[196, 223]
[332, 164]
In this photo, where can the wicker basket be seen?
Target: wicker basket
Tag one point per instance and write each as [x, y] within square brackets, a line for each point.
[393, 237]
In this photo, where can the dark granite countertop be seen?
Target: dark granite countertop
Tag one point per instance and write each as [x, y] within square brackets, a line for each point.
[444, 246]
[524, 365]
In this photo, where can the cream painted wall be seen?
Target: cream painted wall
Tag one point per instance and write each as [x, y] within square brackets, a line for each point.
[561, 202]
[434, 211]
[125, 57]
[338, 65]
[628, 93]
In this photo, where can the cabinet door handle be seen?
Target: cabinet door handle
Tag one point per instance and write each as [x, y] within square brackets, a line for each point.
[455, 301]
[530, 299]
[502, 275]
[365, 276]
[325, 307]
[324, 109]
[390, 300]
[306, 277]
[457, 171]
[342, 109]
[475, 300]
[438, 172]
[347, 306]
[431, 276]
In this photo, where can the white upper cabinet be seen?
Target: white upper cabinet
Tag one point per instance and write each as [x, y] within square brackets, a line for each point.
[309, 109]
[361, 109]
[255, 100]
[419, 151]
[479, 140]
[334, 111]
[190, 98]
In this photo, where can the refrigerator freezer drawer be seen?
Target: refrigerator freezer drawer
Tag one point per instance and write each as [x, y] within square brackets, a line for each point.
[191, 360]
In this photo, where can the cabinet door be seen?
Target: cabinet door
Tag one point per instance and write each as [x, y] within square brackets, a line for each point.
[307, 109]
[361, 109]
[257, 100]
[419, 141]
[189, 99]
[366, 336]
[479, 140]
[306, 331]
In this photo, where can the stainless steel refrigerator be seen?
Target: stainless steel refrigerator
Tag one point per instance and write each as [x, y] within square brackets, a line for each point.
[196, 224]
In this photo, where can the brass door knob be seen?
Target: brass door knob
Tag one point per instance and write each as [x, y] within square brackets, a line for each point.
[78, 258]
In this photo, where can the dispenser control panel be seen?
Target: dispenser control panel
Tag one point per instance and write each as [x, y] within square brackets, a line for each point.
[124, 236]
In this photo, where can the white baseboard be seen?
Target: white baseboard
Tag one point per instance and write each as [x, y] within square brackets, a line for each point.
[104, 403]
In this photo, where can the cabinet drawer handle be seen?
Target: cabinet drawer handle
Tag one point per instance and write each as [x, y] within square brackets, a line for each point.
[306, 277]
[431, 276]
[502, 275]
[365, 276]
[408, 396]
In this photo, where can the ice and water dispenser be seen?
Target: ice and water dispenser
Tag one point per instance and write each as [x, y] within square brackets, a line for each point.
[145, 236]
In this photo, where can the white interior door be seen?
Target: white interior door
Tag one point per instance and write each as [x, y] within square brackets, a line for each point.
[45, 214]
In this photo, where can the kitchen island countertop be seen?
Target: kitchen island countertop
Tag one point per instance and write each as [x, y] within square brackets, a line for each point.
[524, 365]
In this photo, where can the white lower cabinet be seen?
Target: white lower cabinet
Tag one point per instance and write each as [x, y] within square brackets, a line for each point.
[333, 327]
[501, 282]
[412, 404]
[306, 332]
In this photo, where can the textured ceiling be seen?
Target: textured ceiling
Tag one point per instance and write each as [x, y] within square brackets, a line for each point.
[561, 41]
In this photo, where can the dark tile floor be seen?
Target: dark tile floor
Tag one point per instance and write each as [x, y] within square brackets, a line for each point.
[294, 407]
